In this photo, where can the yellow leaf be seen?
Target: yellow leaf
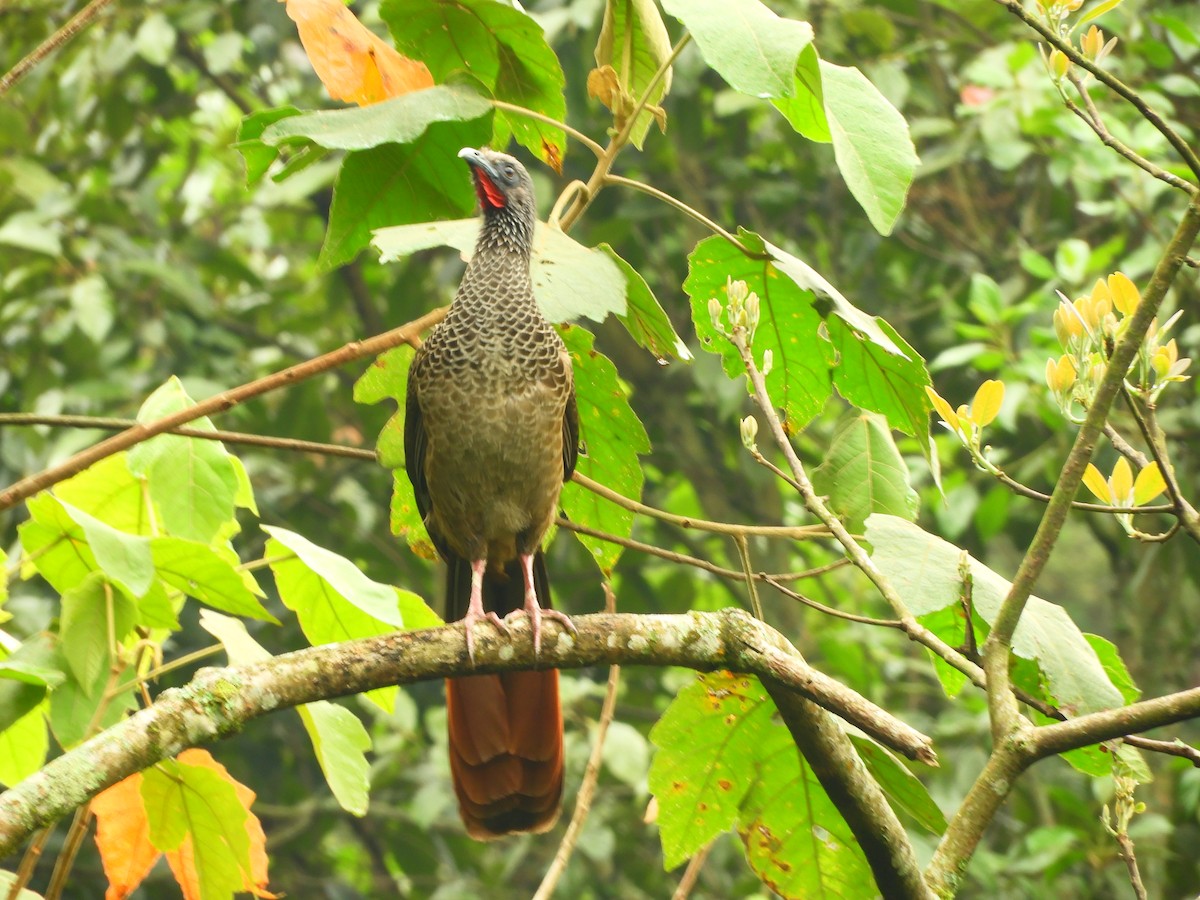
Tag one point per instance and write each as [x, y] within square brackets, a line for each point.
[986, 405]
[1124, 292]
[942, 407]
[1149, 484]
[1122, 481]
[1097, 485]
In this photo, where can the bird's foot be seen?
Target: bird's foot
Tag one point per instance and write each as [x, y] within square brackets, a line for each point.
[469, 621]
[536, 614]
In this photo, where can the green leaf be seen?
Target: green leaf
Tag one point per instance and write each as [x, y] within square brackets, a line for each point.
[397, 184]
[707, 740]
[125, 558]
[569, 279]
[84, 626]
[194, 801]
[192, 481]
[904, 790]
[23, 747]
[55, 543]
[805, 109]
[795, 839]
[258, 154]
[890, 384]
[1096, 12]
[789, 328]
[74, 705]
[753, 49]
[400, 120]
[613, 437]
[333, 600]
[925, 571]
[644, 318]
[388, 378]
[864, 473]
[203, 573]
[111, 493]
[502, 48]
[24, 676]
[338, 737]
[635, 43]
[1114, 666]
[871, 144]
[341, 743]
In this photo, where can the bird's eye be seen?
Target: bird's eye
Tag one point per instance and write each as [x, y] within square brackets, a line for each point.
[509, 171]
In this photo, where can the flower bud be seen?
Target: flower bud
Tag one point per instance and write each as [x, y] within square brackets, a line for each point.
[769, 361]
[749, 432]
[714, 312]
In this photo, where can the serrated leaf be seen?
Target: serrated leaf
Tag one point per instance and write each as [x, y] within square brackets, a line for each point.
[644, 318]
[925, 570]
[864, 473]
[192, 481]
[84, 626]
[395, 184]
[905, 792]
[201, 572]
[124, 558]
[706, 740]
[614, 438]
[634, 43]
[502, 48]
[871, 144]
[753, 49]
[569, 279]
[109, 492]
[333, 600]
[789, 328]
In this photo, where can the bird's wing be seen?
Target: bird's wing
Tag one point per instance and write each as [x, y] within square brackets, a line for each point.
[570, 426]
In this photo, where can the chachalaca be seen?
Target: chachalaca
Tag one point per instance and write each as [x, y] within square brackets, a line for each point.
[490, 434]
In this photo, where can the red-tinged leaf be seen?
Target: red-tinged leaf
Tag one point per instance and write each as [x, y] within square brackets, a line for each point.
[123, 837]
[351, 61]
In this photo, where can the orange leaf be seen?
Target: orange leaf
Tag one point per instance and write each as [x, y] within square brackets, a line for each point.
[352, 62]
[258, 839]
[123, 836]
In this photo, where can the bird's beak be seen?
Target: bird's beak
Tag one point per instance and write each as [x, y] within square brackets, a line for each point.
[477, 160]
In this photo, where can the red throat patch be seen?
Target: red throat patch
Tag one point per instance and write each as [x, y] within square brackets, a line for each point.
[488, 192]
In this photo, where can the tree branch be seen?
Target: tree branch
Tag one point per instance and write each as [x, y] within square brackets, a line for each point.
[219, 702]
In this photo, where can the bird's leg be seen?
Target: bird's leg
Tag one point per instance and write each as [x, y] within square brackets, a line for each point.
[534, 610]
[475, 609]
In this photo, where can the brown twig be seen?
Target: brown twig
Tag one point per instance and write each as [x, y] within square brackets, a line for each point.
[692, 873]
[74, 25]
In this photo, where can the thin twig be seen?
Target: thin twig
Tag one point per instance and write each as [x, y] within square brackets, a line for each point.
[682, 207]
[591, 775]
[351, 352]
[29, 862]
[66, 856]
[541, 117]
[829, 610]
[692, 873]
[1125, 847]
[74, 25]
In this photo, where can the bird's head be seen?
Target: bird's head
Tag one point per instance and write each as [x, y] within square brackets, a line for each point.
[505, 193]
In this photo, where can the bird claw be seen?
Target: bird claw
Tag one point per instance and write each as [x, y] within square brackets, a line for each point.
[536, 614]
[469, 625]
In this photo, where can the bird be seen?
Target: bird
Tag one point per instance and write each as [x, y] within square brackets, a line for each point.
[491, 432]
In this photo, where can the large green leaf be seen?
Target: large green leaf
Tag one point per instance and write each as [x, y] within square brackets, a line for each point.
[612, 437]
[805, 109]
[569, 279]
[891, 384]
[633, 45]
[501, 48]
[396, 184]
[332, 598]
[871, 144]
[202, 572]
[125, 558]
[55, 543]
[789, 327]
[109, 492]
[905, 792]
[400, 120]
[864, 473]
[752, 48]
[926, 572]
[23, 747]
[192, 482]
